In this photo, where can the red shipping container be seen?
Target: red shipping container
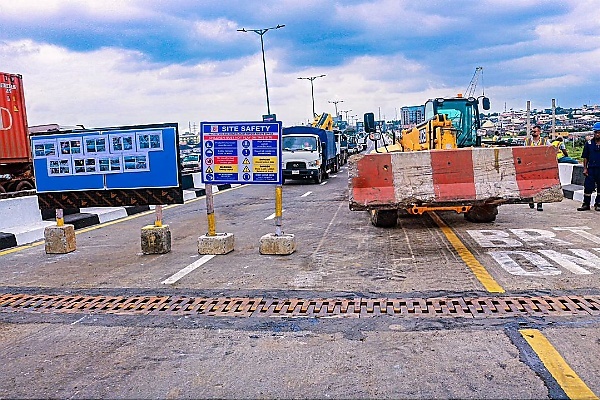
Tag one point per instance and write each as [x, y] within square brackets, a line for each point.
[14, 137]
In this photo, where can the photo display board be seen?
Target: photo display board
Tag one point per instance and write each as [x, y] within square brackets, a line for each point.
[107, 159]
[241, 152]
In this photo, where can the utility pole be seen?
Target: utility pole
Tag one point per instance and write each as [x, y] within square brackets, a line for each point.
[312, 89]
[553, 119]
[261, 32]
[346, 112]
[335, 102]
[528, 117]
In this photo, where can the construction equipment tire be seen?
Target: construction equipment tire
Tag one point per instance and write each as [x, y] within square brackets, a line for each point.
[482, 214]
[384, 218]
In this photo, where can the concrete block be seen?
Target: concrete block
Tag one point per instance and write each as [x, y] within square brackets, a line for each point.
[221, 243]
[284, 244]
[19, 211]
[60, 239]
[156, 239]
[565, 173]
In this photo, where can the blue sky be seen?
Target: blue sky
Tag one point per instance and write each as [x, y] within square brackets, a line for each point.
[119, 62]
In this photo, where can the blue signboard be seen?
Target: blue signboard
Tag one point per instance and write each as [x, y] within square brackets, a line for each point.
[241, 152]
[136, 157]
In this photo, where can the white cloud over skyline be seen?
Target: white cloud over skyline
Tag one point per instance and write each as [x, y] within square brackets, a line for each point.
[110, 63]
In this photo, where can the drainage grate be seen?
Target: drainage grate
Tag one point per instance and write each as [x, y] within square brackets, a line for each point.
[475, 307]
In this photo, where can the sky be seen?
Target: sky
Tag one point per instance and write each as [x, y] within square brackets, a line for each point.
[106, 63]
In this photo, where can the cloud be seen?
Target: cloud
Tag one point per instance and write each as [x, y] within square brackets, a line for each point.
[109, 62]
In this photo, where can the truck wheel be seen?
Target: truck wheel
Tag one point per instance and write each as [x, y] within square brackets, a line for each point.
[11, 186]
[2, 190]
[319, 177]
[482, 214]
[384, 218]
[24, 185]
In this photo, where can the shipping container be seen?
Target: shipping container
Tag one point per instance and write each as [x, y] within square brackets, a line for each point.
[15, 152]
[14, 140]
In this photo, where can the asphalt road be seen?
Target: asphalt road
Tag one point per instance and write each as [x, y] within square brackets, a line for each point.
[93, 353]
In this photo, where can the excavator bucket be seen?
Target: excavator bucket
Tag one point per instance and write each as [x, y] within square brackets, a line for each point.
[467, 176]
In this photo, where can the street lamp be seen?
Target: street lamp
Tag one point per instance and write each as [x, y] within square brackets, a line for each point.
[346, 112]
[261, 32]
[335, 102]
[312, 89]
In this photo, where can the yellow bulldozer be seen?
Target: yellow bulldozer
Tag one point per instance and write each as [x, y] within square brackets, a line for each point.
[440, 165]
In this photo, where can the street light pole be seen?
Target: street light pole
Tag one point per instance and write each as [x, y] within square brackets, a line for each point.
[261, 32]
[312, 90]
[335, 102]
[346, 112]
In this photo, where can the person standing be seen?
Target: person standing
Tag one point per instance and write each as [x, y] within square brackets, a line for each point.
[561, 152]
[536, 139]
[591, 170]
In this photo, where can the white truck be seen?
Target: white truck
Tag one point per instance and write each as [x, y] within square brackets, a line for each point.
[308, 153]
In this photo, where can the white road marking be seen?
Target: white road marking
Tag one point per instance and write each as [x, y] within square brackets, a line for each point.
[272, 216]
[188, 269]
[323, 183]
[334, 176]
[80, 319]
[306, 194]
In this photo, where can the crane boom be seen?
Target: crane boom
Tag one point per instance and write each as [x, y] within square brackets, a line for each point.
[470, 92]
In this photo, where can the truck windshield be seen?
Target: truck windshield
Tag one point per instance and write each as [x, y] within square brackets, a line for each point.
[462, 115]
[294, 143]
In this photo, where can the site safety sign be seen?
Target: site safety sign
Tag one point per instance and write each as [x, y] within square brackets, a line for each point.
[241, 152]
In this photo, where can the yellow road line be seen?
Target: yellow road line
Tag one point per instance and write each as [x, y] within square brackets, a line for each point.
[116, 221]
[568, 380]
[478, 270]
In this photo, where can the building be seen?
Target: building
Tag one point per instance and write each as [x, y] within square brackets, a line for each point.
[412, 115]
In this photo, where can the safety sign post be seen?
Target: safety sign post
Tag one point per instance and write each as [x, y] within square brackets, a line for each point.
[246, 153]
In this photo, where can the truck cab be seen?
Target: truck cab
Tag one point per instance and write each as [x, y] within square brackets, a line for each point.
[308, 153]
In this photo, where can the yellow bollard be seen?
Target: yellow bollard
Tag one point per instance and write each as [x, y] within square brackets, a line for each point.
[278, 209]
[60, 220]
[158, 222]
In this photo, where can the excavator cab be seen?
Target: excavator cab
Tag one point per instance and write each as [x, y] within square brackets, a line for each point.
[464, 115]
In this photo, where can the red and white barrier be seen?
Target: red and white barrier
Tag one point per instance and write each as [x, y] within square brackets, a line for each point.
[509, 174]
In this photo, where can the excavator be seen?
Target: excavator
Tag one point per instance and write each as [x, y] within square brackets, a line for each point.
[440, 165]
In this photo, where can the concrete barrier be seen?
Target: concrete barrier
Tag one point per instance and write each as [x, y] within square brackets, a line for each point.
[571, 180]
[21, 221]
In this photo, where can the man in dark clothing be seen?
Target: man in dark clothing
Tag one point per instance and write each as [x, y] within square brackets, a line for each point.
[591, 170]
